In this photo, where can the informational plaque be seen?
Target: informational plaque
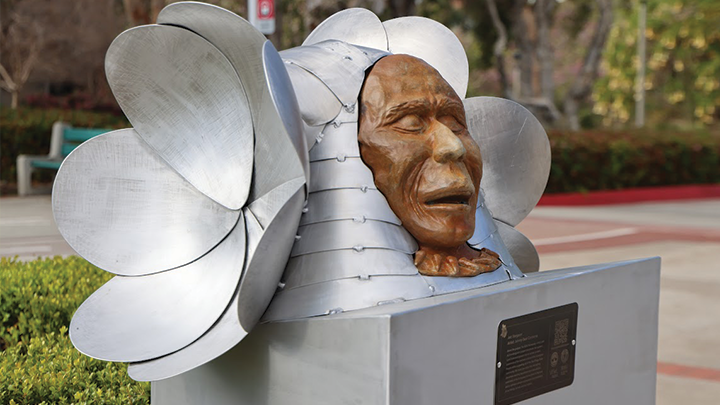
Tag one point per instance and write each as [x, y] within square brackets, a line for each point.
[535, 354]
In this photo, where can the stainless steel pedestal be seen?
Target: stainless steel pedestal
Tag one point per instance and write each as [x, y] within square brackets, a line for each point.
[442, 350]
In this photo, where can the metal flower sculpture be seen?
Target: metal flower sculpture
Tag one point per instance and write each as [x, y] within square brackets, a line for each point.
[243, 165]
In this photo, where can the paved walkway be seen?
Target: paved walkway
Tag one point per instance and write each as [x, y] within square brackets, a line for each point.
[685, 234]
[687, 237]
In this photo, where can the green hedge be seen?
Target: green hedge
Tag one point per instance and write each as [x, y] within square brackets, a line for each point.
[26, 131]
[605, 160]
[38, 364]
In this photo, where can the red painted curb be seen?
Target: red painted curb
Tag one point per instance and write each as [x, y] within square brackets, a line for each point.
[633, 195]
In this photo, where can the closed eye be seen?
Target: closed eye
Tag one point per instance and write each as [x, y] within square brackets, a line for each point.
[452, 123]
[409, 123]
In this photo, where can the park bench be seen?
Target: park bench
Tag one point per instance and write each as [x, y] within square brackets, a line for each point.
[64, 139]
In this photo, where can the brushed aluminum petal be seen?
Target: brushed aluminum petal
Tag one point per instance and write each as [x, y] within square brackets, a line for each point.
[340, 66]
[139, 318]
[520, 247]
[356, 26]
[121, 207]
[267, 259]
[279, 156]
[345, 295]
[435, 44]
[338, 264]
[515, 152]
[318, 105]
[267, 207]
[184, 98]
[332, 174]
[352, 204]
[336, 235]
[221, 337]
[338, 142]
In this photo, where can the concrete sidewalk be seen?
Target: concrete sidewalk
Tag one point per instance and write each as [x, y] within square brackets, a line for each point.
[685, 234]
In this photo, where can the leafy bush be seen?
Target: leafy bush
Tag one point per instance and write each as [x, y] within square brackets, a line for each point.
[27, 131]
[604, 160]
[38, 364]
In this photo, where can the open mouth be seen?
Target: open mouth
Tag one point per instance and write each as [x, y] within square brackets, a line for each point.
[453, 199]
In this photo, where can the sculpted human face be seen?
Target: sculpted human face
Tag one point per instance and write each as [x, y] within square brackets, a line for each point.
[414, 138]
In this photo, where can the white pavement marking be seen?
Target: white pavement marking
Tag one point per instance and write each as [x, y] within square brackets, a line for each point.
[24, 221]
[25, 249]
[613, 233]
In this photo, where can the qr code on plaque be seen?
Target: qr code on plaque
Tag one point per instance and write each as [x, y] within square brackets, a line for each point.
[561, 331]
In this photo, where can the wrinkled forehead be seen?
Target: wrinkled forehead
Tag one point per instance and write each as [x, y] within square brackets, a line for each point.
[398, 78]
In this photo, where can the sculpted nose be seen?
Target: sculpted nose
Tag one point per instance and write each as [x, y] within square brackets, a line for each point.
[447, 146]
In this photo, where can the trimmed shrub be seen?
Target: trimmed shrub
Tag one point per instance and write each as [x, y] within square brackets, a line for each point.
[38, 364]
[26, 131]
[605, 160]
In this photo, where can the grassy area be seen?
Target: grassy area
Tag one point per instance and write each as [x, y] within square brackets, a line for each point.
[38, 364]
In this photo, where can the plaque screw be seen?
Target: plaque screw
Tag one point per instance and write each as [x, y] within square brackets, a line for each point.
[573, 342]
[499, 364]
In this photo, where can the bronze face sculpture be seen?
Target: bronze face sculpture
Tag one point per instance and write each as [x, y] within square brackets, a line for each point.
[413, 136]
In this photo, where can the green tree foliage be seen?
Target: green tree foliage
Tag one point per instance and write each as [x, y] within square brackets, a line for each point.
[683, 63]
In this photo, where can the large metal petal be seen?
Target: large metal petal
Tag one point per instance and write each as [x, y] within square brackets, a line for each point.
[268, 247]
[356, 26]
[280, 155]
[340, 66]
[221, 337]
[139, 318]
[125, 210]
[515, 153]
[520, 247]
[318, 104]
[267, 260]
[435, 44]
[184, 98]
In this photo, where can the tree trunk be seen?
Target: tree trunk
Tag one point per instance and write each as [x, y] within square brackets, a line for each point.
[584, 80]
[543, 18]
[14, 100]
[500, 47]
[525, 46]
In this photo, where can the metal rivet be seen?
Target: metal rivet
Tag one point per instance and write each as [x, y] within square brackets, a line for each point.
[281, 285]
[334, 311]
[358, 248]
[361, 219]
[499, 364]
[364, 188]
[305, 210]
[432, 288]
[341, 157]
[297, 237]
[347, 57]
[573, 342]
[364, 277]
